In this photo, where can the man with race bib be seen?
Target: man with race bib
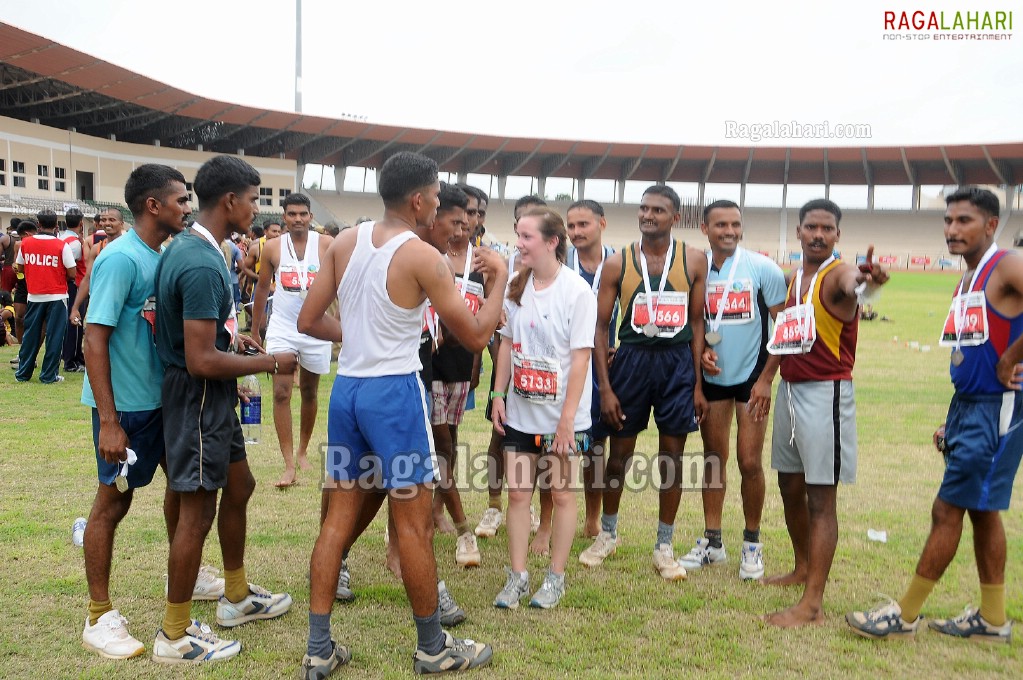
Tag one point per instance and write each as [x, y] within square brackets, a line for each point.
[814, 437]
[660, 283]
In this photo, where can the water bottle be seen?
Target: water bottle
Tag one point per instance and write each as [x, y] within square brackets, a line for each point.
[252, 410]
[78, 532]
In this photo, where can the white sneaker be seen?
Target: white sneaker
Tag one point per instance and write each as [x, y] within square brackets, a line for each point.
[467, 553]
[110, 637]
[752, 565]
[665, 564]
[604, 545]
[534, 520]
[492, 519]
[198, 644]
[208, 586]
[260, 603]
[702, 554]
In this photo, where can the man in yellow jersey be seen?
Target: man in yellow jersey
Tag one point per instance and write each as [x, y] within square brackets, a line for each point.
[814, 439]
[660, 284]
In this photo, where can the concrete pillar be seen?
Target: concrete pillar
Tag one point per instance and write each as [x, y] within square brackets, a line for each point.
[541, 186]
[870, 197]
[742, 196]
[620, 186]
[582, 188]
[502, 184]
[339, 178]
[299, 176]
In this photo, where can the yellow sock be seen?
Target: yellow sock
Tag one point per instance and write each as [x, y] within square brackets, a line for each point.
[98, 609]
[236, 587]
[495, 502]
[992, 603]
[176, 618]
[463, 527]
[913, 601]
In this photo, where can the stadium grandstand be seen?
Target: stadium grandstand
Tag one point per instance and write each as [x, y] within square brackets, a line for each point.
[73, 127]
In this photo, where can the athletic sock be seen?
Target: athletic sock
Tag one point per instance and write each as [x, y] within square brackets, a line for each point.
[429, 633]
[463, 527]
[319, 636]
[913, 601]
[98, 609]
[665, 533]
[992, 603]
[236, 587]
[751, 535]
[495, 503]
[177, 616]
[713, 537]
[344, 555]
[609, 523]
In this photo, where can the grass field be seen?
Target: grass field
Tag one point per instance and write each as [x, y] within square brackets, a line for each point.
[620, 620]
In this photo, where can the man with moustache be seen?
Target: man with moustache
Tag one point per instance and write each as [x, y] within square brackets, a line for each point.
[814, 436]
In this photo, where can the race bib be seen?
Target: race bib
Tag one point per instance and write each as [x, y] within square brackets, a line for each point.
[671, 313]
[149, 313]
[473, 294]
[536, 379]
[795, 331]
[973, 308]
[292, 282]
[738, 307]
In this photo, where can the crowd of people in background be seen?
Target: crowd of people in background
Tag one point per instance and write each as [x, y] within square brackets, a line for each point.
[165, 314]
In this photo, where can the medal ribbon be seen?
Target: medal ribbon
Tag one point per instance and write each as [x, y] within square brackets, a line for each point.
[809, 294]
[959, 318]
[303, 268]
[596, 277]
[646, 278]
[716, 322]
[205, 233]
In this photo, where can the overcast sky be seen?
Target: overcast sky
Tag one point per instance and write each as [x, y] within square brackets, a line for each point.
[633, 71]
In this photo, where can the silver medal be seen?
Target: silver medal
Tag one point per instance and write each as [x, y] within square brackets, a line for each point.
[957, 357]
[303, 293]
[650, 330]
[121, 482]
[713, 337]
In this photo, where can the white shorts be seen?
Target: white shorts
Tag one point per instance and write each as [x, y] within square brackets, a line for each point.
[313, 354]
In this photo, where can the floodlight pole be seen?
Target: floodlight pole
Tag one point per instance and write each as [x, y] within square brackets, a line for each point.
[298, 56]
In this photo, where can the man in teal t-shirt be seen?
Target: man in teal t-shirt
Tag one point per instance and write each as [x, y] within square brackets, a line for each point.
[122, 385]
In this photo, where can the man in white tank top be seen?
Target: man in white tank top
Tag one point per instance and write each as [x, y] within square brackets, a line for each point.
[291, 263]
[378, 430]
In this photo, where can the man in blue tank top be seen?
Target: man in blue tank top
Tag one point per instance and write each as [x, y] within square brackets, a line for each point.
[982, 438]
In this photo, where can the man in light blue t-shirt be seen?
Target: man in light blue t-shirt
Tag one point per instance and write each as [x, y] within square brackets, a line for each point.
[745, 290]
[122, 385]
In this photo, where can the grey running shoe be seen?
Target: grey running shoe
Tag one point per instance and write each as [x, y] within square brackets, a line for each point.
[970, 625]
[515, 588]
[199, 644]
[344, 584]
[604, 545]
[702, 554]
[883, 623]
[751, 566]
[457, 655]
[550, 593]
[450, 613]
[259, 604]
[317, 668]
[488, 526]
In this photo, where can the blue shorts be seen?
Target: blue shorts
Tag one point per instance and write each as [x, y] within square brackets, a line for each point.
[984, 436]
[145, 437]
[378, 432]
[661, 378]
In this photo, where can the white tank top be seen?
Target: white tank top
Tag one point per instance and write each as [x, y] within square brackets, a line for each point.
[380, 338]
[292, 280]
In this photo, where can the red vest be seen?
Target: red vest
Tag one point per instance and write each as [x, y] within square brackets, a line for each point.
[80, 262]
[45, 273]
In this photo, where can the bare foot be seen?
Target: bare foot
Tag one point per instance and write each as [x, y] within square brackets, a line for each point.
[303, 464]
[795, 617]
[443, 525]
[541, 544]
[287, 479]
[393, 562]
[790, 579]
[591, 528]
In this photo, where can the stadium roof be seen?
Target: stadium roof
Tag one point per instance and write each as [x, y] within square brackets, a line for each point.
[44, 81]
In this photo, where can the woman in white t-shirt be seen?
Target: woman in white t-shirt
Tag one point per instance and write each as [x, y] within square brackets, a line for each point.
[542, 396]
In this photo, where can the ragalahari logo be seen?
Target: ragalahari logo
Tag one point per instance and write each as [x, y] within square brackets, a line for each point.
[947, 25]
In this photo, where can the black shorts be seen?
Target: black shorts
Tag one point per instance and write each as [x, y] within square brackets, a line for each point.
[201, 430]
[21, 292]
[523, 442]
[740, 392]
[661, 378]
